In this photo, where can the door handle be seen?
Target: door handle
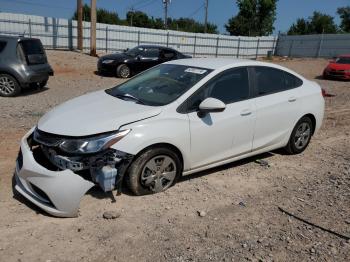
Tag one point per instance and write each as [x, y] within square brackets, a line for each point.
[292, 99]
[246, 112]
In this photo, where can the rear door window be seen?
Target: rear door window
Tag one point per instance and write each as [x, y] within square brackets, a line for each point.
[2, 45]
[271, 80]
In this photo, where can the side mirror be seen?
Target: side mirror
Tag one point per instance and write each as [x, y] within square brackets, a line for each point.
[211, 105]
[138, 57]
[125, 50]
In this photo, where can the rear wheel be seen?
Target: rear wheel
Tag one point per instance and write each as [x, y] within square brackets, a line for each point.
[123, 71]
[9, 85]
[154, 171]
[300, 137]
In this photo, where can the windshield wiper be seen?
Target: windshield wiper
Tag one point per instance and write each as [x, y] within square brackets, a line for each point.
[126, 95]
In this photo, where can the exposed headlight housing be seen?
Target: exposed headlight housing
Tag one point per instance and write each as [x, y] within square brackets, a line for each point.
[107, 61]
[93, 144]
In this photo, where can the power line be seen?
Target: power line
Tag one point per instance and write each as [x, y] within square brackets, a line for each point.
[196, 11]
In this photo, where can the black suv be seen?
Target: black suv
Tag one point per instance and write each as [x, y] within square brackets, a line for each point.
[23, 63]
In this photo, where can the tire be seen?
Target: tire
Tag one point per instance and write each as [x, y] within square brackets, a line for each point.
[43, 84]
[141, 180]
[9, 86]
[123, 71]
[300, 136]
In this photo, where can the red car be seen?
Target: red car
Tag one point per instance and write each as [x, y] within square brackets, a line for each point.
[339, 68]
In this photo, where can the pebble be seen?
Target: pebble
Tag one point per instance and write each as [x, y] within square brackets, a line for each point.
[244, 245]
[202, 213]
[111, 215]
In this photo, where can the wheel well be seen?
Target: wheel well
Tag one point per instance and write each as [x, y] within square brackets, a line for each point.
[167, 145]
[313, 120]
[7, 73]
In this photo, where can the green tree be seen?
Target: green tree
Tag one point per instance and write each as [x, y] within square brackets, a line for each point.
[344, 13]
[318, 23]
[255, 18]
[301, 27]
[102, 16]
[141, 19]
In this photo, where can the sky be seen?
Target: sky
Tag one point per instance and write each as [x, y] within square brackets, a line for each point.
[218, 13]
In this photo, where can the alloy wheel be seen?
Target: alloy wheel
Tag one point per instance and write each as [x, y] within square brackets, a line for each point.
[302, 135]
[159, 173]
[7, 86]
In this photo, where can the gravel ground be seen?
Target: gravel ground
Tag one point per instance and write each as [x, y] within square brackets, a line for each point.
[228, 213]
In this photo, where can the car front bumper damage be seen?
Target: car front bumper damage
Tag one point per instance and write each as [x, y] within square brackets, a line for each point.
[56, 192]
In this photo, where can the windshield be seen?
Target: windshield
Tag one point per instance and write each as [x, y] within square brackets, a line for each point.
[160, 85]
[343, 60]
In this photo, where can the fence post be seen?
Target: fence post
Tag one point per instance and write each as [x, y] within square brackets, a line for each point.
[194, 45]
[320, 46]
[257, 49]
[217, 47]
[138, 37]
[238, 47]
[30, 27]
[167, 39]
[106, 39]
[291, 48]
[70, 34]
[274, 46]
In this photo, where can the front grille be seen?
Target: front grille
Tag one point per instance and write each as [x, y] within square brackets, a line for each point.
[20, 159]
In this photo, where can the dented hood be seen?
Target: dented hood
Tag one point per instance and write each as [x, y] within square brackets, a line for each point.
[93, 113]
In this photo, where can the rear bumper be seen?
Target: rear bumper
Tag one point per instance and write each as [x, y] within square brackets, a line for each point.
[56, 192]
[36, 75]
[336, 75]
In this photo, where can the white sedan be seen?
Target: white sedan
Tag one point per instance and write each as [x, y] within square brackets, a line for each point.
[177, 118]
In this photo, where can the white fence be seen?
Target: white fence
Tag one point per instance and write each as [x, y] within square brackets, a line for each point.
[62, 33]
[326, 45]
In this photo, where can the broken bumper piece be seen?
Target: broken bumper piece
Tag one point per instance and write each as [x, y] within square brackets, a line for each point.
[56, 192]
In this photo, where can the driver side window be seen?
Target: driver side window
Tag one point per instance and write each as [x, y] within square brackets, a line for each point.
[229, 86]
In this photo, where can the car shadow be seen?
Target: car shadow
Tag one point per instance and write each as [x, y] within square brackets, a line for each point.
[237, 163]
[111, 75]
[32, 91]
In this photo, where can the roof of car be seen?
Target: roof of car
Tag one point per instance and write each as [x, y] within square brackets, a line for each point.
[156, 46]
[14, 37]
[211, 63]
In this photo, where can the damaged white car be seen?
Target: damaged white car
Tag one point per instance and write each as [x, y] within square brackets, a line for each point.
[177, 118]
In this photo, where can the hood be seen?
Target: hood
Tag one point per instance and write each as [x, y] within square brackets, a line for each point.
[93, 113]
[116, 56]
[335, 66]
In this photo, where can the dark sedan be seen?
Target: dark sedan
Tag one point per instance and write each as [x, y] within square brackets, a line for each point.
[136, 60]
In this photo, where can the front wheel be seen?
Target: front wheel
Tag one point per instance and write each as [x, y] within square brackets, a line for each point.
[154, 171]
[300, 137]
[123, 71]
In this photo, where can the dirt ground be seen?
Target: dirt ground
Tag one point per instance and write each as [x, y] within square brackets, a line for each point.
[240, 201]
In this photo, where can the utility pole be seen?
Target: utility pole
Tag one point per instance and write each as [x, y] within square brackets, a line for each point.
[206, 17]
[165, 3]
[93, 29]
[80, 24]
